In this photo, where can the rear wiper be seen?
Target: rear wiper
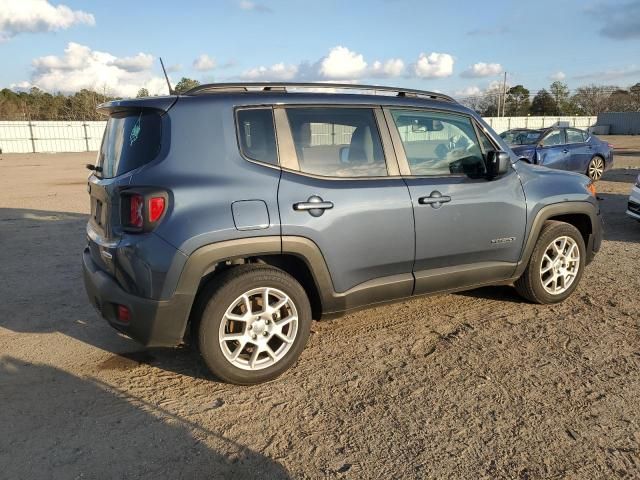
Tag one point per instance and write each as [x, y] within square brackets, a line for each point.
[94, 168]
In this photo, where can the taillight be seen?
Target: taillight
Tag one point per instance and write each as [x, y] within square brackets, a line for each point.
[136, 203]
[142, 209]
[156, 208]
[610, 145]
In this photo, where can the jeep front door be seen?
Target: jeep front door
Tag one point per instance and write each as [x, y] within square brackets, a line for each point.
[469, 230]
[337, 191]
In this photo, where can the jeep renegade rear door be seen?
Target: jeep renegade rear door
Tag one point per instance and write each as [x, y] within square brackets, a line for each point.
[338, 189]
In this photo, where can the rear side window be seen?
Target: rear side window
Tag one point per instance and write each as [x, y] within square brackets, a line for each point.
[337, 142]
[257, 135]
[130, 140]
[575, 136]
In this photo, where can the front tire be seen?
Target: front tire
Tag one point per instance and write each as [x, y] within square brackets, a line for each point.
[556, 264]
[255, 324]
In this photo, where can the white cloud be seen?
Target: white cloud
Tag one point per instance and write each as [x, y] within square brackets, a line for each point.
[482, 69]
[174, 68]
[139, 63]
[204, 63]
[434, 65]
[342, 64]
[279, 71]
[557, 76]
[33, 16]
[469, 91]
[253, 6]
[80, 67]
[391, 68]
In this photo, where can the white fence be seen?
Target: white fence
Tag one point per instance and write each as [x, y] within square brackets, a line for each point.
[33, 137]
[501, 124]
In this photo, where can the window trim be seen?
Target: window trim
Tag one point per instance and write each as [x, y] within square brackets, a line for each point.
[237, 110]
[398, 145]
[289, 157]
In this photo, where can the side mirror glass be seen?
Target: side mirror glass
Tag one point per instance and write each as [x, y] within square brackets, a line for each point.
[498, 163]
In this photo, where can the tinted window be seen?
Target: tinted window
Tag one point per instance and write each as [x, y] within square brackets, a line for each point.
[337, 142]
[575, 136]
[554, 138]
[257, 135]
[439, 143]
[130, 140]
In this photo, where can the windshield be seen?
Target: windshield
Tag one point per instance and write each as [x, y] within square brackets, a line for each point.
[130, 140]
[521, 137]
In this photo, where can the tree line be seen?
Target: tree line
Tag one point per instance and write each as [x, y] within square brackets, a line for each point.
[518, 101]
[37, 104]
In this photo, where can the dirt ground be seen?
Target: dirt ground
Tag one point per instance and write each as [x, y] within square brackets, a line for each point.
[471, 385]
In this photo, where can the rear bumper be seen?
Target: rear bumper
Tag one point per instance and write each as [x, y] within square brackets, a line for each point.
[153, 323]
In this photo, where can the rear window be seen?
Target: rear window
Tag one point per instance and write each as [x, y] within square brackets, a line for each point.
[130, 140]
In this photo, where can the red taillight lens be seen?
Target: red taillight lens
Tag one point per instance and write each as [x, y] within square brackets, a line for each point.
[124, 315]
[136, 203]
[610, 145]
[156, 208]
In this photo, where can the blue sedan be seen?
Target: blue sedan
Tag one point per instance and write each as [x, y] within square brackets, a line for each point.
[562, 148]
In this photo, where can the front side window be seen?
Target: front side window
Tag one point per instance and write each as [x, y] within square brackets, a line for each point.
[575, 136]
[438, 144]
[554, 138]
[337, 142]
[257, 135]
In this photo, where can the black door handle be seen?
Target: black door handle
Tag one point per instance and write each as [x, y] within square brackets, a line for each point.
[436, 199]
[315, 205]
[565, 151]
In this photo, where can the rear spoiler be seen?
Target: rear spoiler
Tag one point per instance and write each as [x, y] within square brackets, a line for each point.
[156, 103]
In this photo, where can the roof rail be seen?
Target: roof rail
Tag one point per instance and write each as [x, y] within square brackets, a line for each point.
[285, 87]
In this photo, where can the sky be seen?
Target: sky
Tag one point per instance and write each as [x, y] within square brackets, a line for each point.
[456, 47]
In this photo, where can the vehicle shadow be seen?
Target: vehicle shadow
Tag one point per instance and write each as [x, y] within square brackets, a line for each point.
[622, 175]
[618, 226]
[89, 429]
[42, 291]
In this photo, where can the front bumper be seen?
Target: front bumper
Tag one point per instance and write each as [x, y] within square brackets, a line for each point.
[633, 207]
[154, 323]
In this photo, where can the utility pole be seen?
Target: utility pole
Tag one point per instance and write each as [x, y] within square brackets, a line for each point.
[504, 93]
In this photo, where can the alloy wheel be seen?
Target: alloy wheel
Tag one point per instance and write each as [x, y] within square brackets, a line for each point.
[258, 328]
[560, 265]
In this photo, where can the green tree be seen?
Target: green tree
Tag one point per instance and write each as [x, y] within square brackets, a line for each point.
[560, 93]
[185, 84]
[143, 92]
[543, 104]
[517, 101]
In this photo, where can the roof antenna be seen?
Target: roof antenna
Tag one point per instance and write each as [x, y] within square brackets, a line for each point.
[171, 91]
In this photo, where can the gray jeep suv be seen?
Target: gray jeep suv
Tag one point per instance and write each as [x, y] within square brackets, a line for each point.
[234, 214]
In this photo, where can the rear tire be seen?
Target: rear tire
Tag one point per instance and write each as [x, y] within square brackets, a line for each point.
[240, 340]
[556, 264]
[595, 168]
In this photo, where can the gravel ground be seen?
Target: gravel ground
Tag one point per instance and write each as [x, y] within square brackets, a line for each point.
[471, 385]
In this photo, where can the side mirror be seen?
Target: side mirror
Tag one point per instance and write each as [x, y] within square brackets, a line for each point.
[498, 163]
